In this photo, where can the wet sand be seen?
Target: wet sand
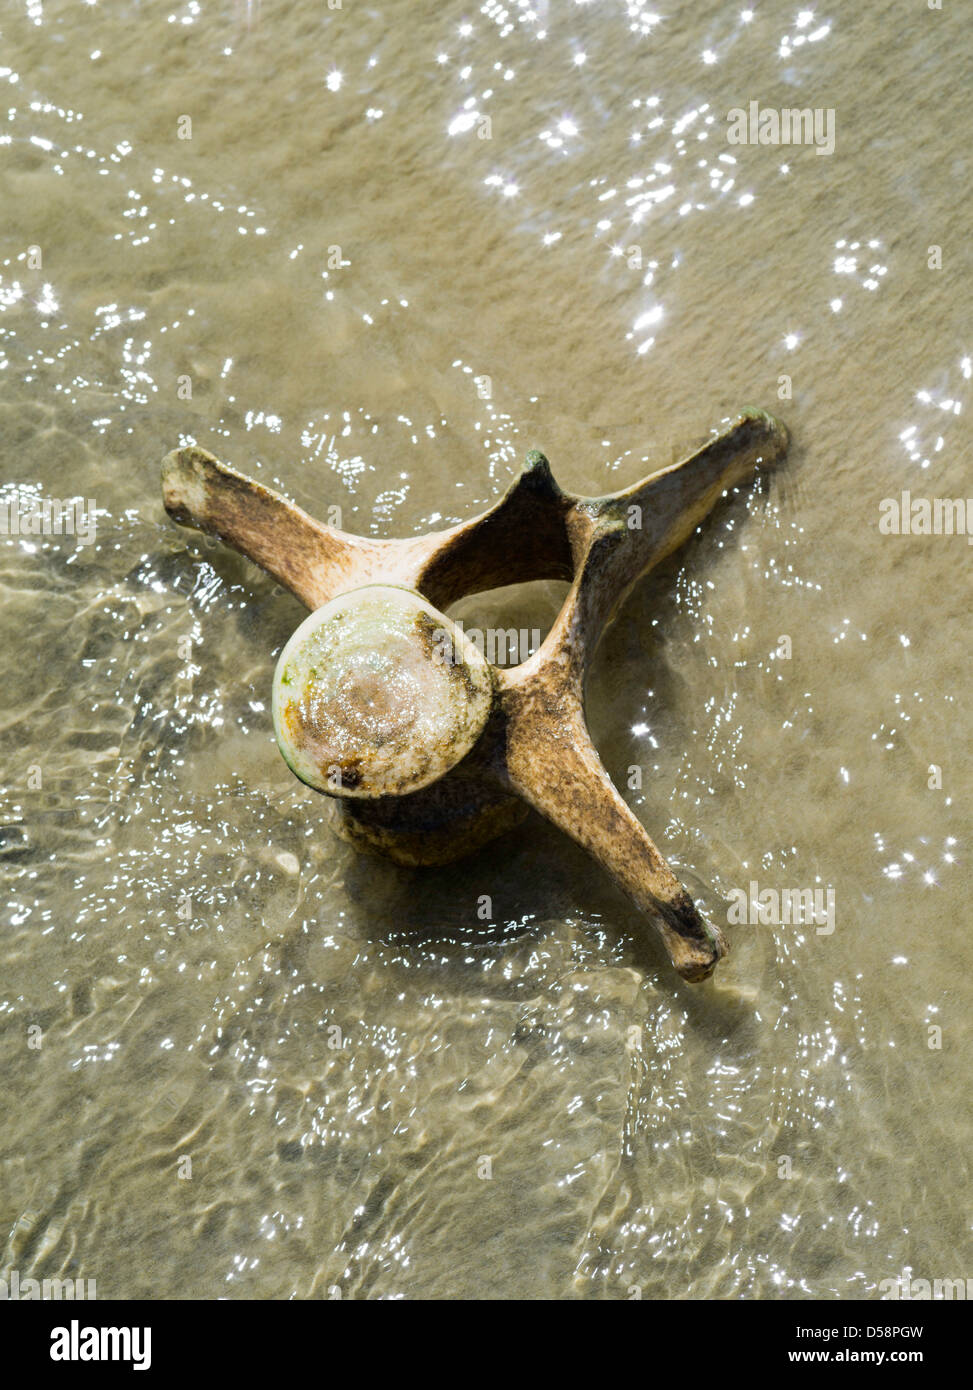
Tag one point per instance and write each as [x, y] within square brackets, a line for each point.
[329, 289]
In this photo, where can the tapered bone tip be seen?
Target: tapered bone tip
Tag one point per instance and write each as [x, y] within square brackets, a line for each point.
[776, 430]
[536, 471]
[695, 945]
[185, 474]
[698, 965]
[695, 972]
[535, 458]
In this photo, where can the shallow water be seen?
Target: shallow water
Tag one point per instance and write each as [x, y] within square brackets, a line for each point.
[335, 274]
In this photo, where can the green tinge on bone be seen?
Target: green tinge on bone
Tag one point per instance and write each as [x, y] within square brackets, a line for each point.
[377, 694]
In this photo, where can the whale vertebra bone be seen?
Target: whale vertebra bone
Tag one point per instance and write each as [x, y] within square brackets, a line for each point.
[432, 756]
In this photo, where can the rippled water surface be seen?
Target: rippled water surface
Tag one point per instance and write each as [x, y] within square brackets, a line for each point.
[401, 244]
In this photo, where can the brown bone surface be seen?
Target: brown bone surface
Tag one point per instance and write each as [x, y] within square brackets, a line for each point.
[536, 748]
